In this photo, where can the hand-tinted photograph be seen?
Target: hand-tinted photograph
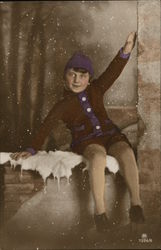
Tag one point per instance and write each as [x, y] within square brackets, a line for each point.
[80, 125]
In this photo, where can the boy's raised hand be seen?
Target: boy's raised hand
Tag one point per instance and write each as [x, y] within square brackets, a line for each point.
[130, 43]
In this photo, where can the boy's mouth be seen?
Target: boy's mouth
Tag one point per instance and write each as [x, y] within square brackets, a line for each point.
[76, 85]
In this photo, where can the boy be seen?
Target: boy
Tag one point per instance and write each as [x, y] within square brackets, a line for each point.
[93, 134]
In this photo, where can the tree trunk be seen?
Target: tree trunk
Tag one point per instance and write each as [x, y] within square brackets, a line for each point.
[39, 100]
[4, 111]
[13, 71]
[26, 105]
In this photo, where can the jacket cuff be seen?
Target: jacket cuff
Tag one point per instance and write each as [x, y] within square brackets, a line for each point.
[31, 150]
[122, 55]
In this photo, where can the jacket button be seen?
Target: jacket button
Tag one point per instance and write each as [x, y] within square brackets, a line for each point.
[88, 109]
[83, 98]
[97, 127]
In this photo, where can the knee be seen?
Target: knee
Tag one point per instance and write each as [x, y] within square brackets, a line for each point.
[125, 149]
[95, 153]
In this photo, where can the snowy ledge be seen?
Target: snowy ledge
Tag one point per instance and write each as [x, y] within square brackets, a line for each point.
[58, 163]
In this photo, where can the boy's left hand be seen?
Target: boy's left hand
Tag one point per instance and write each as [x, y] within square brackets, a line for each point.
[130, 43]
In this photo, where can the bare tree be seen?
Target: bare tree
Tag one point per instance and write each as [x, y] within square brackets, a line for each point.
[41, 59]
[13, 70]
[4, 111]
[35, 41]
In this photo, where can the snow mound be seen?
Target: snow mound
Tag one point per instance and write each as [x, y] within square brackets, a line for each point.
[58, 163]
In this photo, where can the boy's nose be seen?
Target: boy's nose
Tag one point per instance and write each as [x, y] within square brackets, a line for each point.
[76, 78]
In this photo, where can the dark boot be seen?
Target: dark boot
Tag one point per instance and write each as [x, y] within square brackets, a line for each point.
[136, 214]
[102, 223]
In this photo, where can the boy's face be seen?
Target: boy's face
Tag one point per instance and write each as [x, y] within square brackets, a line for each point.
[77, 81]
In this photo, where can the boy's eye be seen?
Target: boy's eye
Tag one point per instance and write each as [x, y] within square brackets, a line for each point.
[72, 74]
[82, 75]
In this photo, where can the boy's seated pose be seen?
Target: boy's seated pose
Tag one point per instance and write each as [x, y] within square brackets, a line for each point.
[93, 134]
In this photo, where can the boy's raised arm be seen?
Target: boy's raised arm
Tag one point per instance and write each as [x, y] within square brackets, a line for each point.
[107, 78]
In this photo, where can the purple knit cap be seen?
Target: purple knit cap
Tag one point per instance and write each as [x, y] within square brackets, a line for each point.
[78, 60]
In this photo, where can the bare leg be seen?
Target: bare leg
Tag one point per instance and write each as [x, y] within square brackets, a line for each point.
[128, 168]
[96, 156]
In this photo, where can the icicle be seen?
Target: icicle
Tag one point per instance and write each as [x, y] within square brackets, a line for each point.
[21, 173]
[45, 189]
[13, 164]
[45, 185]
[58, 180]
[68, 180]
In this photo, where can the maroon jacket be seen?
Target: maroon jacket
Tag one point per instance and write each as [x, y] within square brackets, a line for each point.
[84, 113]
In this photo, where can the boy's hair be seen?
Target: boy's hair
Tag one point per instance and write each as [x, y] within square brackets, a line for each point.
[81, 70]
